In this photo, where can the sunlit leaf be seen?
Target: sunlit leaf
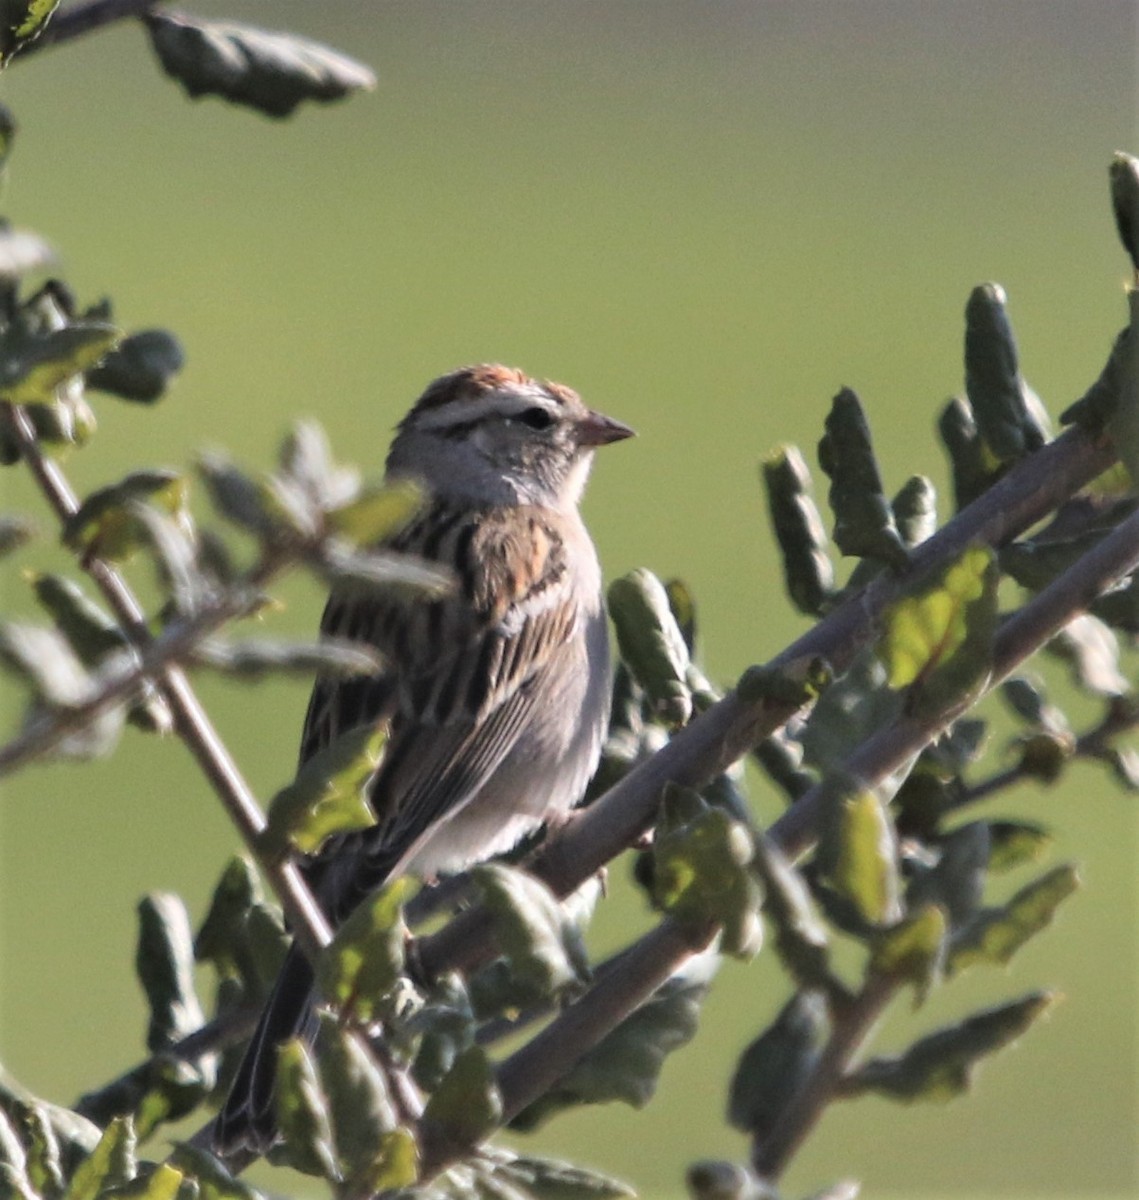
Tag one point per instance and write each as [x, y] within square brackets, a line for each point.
[33, 364]
[329, 794]
[110, 1164]
[858, 854]
[21, 22]
[302, 1114]
[378, 513]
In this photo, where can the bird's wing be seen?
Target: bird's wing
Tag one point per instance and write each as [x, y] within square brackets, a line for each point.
[465, 673]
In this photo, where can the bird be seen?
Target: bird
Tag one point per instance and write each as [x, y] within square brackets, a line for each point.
[495, 696]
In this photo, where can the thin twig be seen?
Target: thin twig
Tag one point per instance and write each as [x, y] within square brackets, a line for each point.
[309, 924]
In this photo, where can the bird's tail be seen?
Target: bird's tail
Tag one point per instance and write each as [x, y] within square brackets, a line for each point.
[248, 1118]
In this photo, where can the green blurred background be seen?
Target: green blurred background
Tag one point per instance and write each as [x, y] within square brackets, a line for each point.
[706, 217]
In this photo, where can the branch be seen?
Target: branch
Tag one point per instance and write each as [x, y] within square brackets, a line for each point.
[78, 19]
[726, 731]
[308, 922]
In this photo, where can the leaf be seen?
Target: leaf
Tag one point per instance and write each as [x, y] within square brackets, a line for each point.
[773, 1067]
[329, 794]
[973, 465]
[542, 945]
[626, 1064]
[800, 936]
[651, 644]
[34, 364]
[164, 962]
[15, 531]
[941, 1065]
[1014, 843]
[235, 495]
[89, 630]
[366, 957]
[1008, 414]
[161, 1183]
[864, 521]
[107, 525]
[1113, 394]
[45, 661]
[939, 641]
[21, 22]
[267, 71]
[808, 573]
[357, 1095]
[913, 950]
[13, 1157]
[994, 935]
[549, 1179]
[140, 368]
[915, 510]
[22, 252]
[701, 873]
[709, 1179]
[302, 1115]
[364, 572]
[111, 1164]
[1091, 649]
[858, 854]
[44, 1166]
[214, 1181]
[1123, 175]
[957, 880]
[466, 1105]
[395, 1165]
[252, 659]
[377, 513]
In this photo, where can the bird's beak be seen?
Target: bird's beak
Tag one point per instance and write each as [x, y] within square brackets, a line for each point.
[596, 429]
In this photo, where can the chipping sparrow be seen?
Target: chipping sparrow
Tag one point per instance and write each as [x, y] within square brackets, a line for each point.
[496, 696]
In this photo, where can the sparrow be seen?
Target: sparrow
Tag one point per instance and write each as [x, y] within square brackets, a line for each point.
[495, 697]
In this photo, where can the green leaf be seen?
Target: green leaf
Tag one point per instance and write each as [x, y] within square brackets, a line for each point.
[800, 936]
[973, 465]
[366, 957]
[651, 644]
[709, 1179]
[213, 1180]
[626, 1064]
[941, 1066]
[111, 1164]
[237, 497]
[938, 642]
[378, 513]
[365, 572]
[542, 945]
[858, 854]
[267, 71]
[44, 1166]
[252, 659]
[773, 1067]
[1123, 175]
[107, 524]
[864, 520]
[34, 364]
[466, 1105]
[1008, 413]
[329, 794]
[702, 872]
[808, 573]
[683, 605]
[302, 1115]
[443, 1027]
[395, 1165]
[13, 1156]
[75, 1136]
[994, 935]
[549, 1179]
[21, 22]
[140, 368]
[357, 1096]
[164, 962]
[89, 630]
[162, 1182]
[913, 950]
[1114, 392]
[1014, 843]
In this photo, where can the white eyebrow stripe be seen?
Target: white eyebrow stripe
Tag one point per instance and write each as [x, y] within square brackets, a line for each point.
[503, 402]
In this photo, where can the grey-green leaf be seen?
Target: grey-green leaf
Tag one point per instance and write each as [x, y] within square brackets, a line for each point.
[141, 367]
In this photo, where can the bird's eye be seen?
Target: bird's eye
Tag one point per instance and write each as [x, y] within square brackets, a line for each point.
[536, 417]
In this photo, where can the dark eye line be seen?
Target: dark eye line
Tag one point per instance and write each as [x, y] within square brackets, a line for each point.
[536, 417]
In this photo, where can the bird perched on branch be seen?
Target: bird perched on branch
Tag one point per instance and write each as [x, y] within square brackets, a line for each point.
[495, 696]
